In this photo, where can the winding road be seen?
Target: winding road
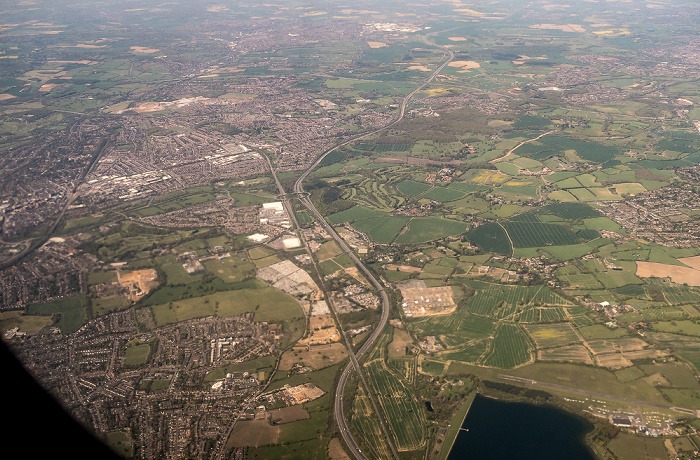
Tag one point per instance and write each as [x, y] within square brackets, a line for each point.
[354, 361]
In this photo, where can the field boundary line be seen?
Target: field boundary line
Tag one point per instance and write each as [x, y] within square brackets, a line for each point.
[512, 247]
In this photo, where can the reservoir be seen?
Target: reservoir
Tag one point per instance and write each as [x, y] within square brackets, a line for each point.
[506, 430]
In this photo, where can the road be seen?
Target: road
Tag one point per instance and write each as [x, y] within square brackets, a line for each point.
[354, 359]
[72, 194]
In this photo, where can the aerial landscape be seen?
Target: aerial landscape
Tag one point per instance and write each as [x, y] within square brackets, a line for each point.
[242, 230]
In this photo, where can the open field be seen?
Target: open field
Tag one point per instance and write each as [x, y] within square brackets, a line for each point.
[570, 354]
[412, 188]
[599, 331]
[288, 414]
[533, 234]
[491, 238]
[364, 421]
[630, 447]
[685, 327]
[510, 348]
[403, 413]
[253, 433]
[269, 304]
[354, 214]
[693, 262]
[400, 340]
[678, 274]
[29, 324]
[382, 229]
[315, 357]
[677, 374]
[137, 355]
[552, 335]
[71, 310]
[230, 269]
[423, 229]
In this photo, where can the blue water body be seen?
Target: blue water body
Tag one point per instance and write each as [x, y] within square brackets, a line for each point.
[504, 430]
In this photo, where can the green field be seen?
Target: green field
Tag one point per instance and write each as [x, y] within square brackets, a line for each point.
[535, 234]
[137, 355]
[510, 348]
[443, 194]
[30, 324]
[423, 229]
[570, 211]
[399, 406]
[491, 238]
[269, 304]
[552, 145]
[230, 269]
[552, 335]
[176, 274]
[121, 443]
[70, 309]
[685, 327]
[364, 421]
[507, 301]
[412, 188]
[382, 229]
[456, 328]
[103, 306]
[355, 213]
[599, 331]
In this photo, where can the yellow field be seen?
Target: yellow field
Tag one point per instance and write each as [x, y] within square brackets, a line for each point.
[143, 49]
[612, 32]
[517, 183]
[469, 12]
[693, 262]
[562, 27]
[677, 273]
[422, 68]
[464, 65]
[435, 91]
[490, 177]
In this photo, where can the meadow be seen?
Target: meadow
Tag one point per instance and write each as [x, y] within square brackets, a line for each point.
[268, 304]
[70, 309]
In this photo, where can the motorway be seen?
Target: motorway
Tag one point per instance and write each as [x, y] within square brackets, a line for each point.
[354, 359]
